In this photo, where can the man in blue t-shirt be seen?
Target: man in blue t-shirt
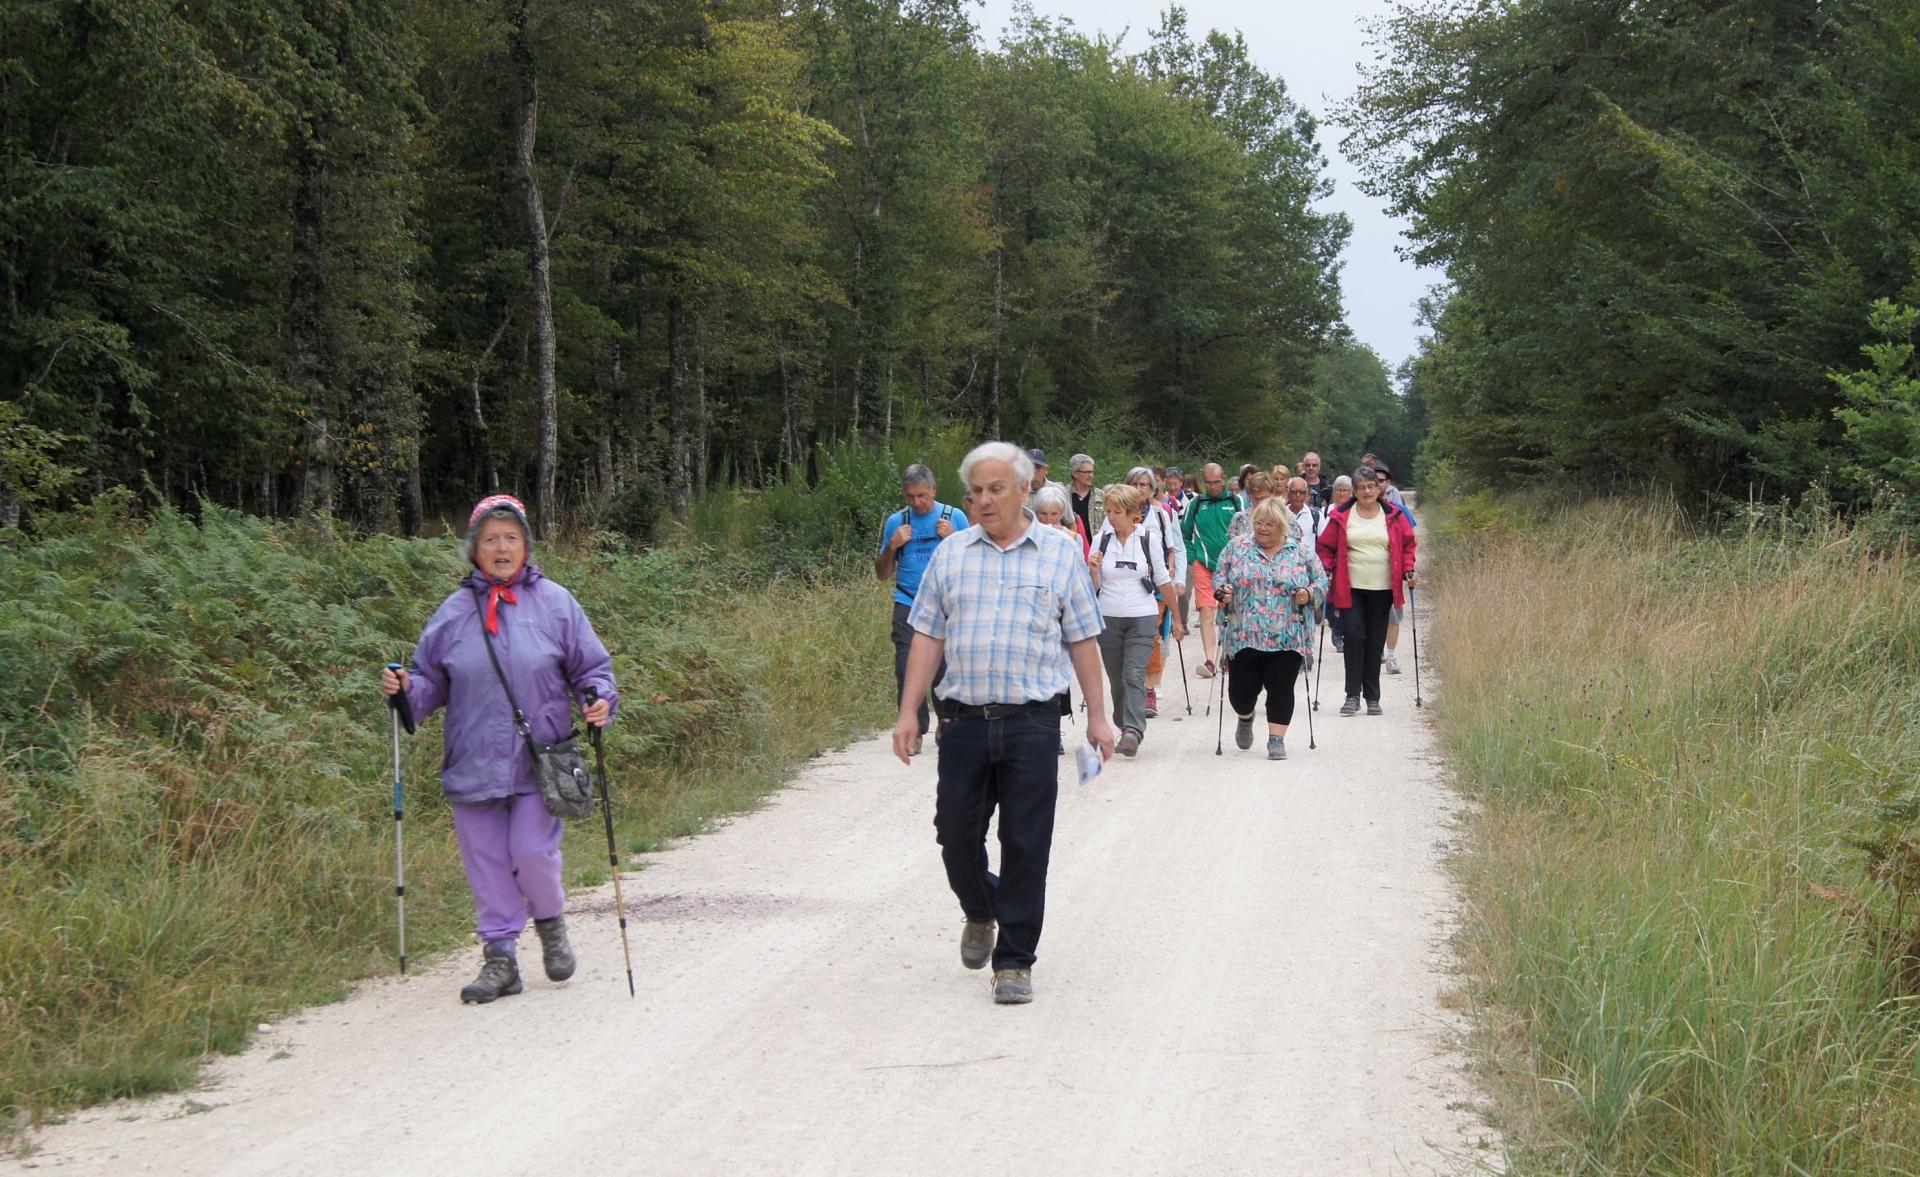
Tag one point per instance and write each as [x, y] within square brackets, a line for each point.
[907, 540]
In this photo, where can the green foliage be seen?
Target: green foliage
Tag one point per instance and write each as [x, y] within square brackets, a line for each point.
[1679, 745]
[254, 248]
[195, 817]
[1881, 413]
[1660, 223]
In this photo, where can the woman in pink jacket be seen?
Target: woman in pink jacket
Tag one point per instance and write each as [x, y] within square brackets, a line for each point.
[1368, 550]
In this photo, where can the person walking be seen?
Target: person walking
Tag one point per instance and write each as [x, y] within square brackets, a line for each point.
[1010, 606]
[1049, 505]
[1305, 517]
[1319, 490]
[1163, 532]
[1081, 497]
[1389, 493]
[907, 540]
[1268, 583]
[1342, 495]
[1204, 528]
[1129, 572]
[1259, 487]
[1368, 550]
[548, 654]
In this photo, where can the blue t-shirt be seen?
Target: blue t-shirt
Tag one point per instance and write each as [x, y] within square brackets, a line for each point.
[915, 553]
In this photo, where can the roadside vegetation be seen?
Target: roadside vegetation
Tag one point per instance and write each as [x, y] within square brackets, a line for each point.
[1692, 876]
[195, 805]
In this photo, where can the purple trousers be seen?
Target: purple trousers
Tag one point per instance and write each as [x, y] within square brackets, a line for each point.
[511, 849]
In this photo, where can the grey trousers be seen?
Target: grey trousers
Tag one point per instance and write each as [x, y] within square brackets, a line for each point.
[1125, 645]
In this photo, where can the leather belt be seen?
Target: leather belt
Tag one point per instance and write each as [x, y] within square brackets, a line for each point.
[1001, 710]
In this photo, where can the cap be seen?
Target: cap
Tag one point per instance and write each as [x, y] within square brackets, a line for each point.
[1038, 455]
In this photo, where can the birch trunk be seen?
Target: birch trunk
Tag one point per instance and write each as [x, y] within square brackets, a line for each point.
[522, 54]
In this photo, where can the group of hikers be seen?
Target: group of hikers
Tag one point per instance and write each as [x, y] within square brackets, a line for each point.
[1001, 602]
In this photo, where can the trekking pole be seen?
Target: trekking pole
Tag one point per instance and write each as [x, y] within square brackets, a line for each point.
[613, 854]
[1311, 701]
[1180, 649]
[1320, 661]
[402, 714]
[1414, 619]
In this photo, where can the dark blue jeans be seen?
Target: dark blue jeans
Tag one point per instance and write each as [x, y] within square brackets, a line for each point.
[1011, 763]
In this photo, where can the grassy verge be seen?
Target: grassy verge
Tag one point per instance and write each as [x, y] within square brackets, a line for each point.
[1682, 959]
[195, 813]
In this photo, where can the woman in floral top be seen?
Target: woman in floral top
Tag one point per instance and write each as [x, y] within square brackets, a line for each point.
[1272, 581]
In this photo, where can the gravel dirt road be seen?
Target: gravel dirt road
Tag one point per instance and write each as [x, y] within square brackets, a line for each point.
[1241, 973]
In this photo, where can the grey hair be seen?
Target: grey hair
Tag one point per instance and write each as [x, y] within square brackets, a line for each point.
[1050, 496]
[916, 475]
[1137, 471]
[997, 451]
[1365, 474]
[473, 533]
[1077, 461]
[1341, 481]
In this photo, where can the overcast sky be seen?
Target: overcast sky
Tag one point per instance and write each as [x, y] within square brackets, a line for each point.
[1316, 48]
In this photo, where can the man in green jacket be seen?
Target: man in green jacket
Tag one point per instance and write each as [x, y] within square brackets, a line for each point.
[1204, 526]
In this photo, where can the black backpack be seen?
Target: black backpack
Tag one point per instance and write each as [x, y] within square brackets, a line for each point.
[906, 516]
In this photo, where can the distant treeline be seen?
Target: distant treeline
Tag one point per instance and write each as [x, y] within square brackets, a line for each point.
[1667, 224]
[376, 258]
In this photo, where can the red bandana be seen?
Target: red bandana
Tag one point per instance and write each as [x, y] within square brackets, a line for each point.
[498, 591]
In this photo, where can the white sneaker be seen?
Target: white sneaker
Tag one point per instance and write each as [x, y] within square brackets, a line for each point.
[1391, 663]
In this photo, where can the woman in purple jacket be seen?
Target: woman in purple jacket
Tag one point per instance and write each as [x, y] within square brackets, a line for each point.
[549, 653]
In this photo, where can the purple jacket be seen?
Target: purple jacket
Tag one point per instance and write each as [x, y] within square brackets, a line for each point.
[546, 647]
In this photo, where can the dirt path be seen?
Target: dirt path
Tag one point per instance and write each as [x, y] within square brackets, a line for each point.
[1240, 974]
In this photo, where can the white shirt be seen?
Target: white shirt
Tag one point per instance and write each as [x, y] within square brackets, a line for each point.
[1162, 526]
[1123, 592]
[1303, 522]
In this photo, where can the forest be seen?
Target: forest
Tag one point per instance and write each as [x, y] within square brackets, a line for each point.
[374, 259]
[1669, 229]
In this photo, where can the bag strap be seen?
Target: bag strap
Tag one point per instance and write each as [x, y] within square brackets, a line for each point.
[519, 717]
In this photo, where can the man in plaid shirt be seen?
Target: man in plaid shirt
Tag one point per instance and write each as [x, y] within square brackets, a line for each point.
[1010, 606]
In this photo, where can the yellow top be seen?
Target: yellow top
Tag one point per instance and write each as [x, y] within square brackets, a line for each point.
[1367, 563]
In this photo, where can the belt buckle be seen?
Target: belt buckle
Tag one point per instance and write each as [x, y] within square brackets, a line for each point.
[998, 710]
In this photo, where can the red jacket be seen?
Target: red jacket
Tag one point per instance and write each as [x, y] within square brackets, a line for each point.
[1333, 554]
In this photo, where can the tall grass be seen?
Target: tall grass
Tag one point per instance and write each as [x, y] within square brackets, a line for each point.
[1677, 743]
[195, 814]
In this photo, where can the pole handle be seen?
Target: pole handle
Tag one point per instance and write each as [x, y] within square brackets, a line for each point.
[592, 696]
[400, 703]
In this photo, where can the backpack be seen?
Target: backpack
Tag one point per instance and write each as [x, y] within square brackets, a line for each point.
[906, 516]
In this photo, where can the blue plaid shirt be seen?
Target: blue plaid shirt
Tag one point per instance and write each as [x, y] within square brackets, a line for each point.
[1006, 615]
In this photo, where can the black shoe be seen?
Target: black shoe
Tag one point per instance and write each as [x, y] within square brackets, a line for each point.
[1351, 706]
[555, 953]
[499, 976]
[1373, 707]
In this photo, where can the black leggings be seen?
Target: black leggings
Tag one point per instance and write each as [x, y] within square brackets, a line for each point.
[1366, 630]
[1251, 671]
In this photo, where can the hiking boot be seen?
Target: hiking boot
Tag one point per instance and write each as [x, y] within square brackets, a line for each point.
[1339, 644]
[1129, 742]
[1153, 703]
[1276, 747]
[555, 953]
[1243, 734]
[1373, 707]
[1012, 986]
[976, 944]
[1351, 706]
[499, 975]
[1390, 663]
[917, 741]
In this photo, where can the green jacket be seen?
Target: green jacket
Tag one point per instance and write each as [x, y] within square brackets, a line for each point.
[1204, 527]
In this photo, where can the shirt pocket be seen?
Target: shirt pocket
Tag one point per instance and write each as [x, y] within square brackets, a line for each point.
[1037, 610]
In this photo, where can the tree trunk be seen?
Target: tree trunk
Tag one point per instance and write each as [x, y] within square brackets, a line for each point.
[306, 313]
[545, 500]
[677, 472]
[703, 426]
[859, 331]
[999, 335]
[789, 443]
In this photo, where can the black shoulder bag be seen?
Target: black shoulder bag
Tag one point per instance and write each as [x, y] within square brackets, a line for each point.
[559, 768]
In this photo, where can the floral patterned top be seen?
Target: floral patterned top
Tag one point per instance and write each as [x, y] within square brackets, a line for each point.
[1263, 615]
